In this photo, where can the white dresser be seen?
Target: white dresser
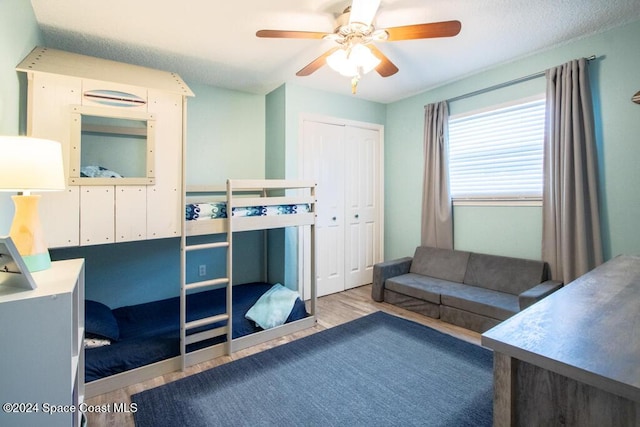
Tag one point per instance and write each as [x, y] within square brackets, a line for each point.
[42, 348]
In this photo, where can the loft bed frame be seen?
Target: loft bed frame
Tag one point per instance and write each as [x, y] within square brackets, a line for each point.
[237, 194]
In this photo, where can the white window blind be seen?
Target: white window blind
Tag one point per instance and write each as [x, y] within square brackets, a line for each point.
[497, 154]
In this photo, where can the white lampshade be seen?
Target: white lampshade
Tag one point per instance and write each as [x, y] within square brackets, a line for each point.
[360, 60]
[30, 164]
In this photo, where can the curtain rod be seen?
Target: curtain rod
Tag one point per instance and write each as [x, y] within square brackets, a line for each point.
[501, 85]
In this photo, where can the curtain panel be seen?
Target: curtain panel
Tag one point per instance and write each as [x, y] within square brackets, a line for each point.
[437, 222]
[571, 241]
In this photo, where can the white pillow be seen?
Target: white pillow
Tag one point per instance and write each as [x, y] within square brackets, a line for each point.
[273, 307]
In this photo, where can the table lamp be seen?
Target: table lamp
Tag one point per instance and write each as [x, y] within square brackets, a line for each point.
[30, 164]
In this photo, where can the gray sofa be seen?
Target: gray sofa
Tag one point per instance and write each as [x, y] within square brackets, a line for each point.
[475, 291]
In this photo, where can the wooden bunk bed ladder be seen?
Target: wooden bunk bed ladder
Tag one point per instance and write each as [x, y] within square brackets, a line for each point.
[187, 338]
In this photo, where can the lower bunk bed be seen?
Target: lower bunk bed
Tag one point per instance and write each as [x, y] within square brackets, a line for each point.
[131, 344]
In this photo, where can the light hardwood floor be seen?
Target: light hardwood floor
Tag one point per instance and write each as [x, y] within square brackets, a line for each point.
[332, 310]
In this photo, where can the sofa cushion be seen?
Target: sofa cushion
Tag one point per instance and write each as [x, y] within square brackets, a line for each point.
[440, 263]
[416, 305]
[418, 286]
[467, 320]
[489, 303]
[504, 274]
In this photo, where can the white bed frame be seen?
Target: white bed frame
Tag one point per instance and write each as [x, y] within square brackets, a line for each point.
[237, 193]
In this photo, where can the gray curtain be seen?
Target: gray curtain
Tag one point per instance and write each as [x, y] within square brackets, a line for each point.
[437, 224]
[571, 241]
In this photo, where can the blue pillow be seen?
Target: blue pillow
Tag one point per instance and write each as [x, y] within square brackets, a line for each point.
[99, 321]
[273, 307]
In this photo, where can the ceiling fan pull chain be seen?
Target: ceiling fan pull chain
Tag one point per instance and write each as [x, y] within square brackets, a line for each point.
[354, 83]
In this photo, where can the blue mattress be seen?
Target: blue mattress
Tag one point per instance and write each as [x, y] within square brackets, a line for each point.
[150, 332]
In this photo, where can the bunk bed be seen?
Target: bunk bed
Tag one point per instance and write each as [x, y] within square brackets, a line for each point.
[208, 319]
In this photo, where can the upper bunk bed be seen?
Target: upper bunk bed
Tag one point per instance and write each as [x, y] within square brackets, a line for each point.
[255, 205]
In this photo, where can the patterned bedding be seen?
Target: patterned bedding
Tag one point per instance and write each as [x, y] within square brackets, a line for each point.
[214, 210]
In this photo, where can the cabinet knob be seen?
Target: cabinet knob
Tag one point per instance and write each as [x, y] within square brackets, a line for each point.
[356, 216]
[333, 218]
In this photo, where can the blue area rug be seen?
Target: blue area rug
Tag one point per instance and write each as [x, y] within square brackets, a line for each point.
[378, 370]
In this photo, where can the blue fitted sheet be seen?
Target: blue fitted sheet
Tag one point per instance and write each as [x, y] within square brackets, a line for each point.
[150, 332]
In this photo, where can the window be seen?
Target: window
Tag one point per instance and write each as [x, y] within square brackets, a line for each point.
[497, 154]
[111, 147]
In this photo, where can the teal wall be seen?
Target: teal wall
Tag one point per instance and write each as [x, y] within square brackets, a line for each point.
[511, 230]
[225, 135]
[276, 122]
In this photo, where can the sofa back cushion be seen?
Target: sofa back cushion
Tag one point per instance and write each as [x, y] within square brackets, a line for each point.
[504, 274]
[440, 263]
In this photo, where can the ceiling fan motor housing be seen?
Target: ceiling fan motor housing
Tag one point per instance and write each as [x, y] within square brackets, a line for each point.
[347, 33]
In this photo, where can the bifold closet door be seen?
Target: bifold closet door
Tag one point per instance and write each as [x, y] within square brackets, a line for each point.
[344, 161]
[324, 162]
[362, 192]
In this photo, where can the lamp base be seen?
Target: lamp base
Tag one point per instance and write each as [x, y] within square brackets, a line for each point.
[37, 262]
[26, 233]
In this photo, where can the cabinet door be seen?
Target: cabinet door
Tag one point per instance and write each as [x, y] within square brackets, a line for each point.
[60, 216]
[131, 213]
[97, 215]
[362, 147]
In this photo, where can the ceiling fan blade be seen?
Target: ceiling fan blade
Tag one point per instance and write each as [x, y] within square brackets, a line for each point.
[385, 68]
[281, 34]
[316, 63]
[424, 31]
[363, 11]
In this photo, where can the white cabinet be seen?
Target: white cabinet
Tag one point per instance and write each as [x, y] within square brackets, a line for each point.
[120, 117]
[42, 348]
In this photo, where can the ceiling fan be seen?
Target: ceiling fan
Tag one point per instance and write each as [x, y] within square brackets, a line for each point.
[355, 53]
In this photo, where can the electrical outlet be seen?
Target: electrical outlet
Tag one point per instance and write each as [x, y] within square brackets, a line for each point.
[202, 270]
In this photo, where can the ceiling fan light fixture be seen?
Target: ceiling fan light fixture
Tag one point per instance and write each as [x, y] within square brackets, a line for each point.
[353, 62]
[339, 62]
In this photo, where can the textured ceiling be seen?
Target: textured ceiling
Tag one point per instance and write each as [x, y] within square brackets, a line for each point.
[214, 42]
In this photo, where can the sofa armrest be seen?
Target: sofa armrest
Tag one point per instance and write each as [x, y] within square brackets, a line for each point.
[386, 270]
[535, 294]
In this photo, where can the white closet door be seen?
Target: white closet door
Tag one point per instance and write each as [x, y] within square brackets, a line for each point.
[362, 148]
[323, 160]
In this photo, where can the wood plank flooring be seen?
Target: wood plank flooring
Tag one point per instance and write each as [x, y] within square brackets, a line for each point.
[332, 310]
